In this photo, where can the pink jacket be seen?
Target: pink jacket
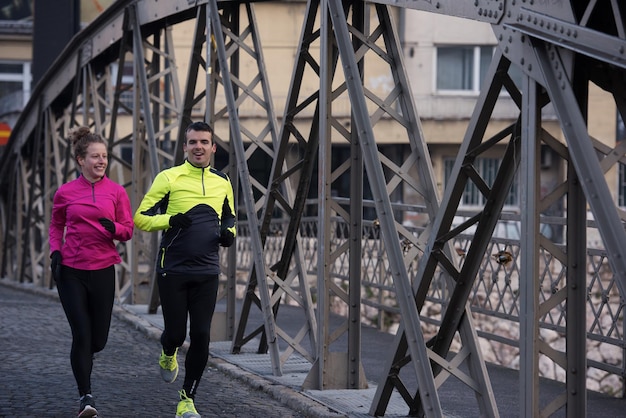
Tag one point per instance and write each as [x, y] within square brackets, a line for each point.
[77, 206]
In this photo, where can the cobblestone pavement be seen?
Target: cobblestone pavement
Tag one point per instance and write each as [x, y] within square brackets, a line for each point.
[36, 377]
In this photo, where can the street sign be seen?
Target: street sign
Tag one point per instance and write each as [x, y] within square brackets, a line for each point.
[5, 132]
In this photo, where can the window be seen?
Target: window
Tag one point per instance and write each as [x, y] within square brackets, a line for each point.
[463, 68]
[15, 80]
[488, 169]
[16, 10]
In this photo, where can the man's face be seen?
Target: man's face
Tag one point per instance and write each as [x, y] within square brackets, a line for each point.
[199, 147]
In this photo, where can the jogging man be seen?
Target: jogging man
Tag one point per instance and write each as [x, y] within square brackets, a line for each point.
[194, 204]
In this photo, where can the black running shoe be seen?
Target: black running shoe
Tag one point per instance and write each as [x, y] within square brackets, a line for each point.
[87, 407]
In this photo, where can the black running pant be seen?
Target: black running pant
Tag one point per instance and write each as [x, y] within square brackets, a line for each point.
[87, 297]
[183, 295]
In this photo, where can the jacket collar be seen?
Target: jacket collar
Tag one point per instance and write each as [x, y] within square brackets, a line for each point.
[193, 167]
[86, 181]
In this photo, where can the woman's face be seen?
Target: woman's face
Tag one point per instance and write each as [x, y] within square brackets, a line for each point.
[95, 162]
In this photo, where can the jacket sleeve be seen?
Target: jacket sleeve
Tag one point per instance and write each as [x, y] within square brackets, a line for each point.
[57, 223]
[229, 218]
[123, 217]
[150, 215]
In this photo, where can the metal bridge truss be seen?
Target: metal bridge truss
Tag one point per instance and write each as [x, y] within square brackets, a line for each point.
[560, 47]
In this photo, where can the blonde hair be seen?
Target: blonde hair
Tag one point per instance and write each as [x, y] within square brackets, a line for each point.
[81, 137]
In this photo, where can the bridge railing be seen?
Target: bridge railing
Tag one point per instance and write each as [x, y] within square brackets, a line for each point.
[495, 298]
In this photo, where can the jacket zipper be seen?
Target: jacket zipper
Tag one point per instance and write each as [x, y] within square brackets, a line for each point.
[163, 257]
[203, 191]
[165, 248]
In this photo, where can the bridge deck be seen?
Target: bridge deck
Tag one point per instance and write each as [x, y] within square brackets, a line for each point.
[456, 399]
[256, 369]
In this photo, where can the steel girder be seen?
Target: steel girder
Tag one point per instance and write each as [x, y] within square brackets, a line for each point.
[385, 175]
[436, 354]
[557, 67]
[264, 290]
[229, 82]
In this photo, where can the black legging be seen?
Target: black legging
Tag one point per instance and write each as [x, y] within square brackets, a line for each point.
[87, 299]
[194, 295]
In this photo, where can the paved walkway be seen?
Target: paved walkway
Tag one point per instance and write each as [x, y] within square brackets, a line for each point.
[37, 379]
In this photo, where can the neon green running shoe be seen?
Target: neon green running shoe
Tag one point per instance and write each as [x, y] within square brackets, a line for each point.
[169, 366]
[185, 408]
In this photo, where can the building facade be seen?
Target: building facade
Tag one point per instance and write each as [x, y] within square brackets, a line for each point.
[445, 59]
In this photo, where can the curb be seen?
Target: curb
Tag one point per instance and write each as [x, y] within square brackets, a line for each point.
[287, 396]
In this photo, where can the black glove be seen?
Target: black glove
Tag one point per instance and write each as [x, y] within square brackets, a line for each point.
[55, 264]
[226, 238]
[180, 220]
[107, 224]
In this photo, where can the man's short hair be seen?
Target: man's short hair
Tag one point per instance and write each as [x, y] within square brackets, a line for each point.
[199, 127]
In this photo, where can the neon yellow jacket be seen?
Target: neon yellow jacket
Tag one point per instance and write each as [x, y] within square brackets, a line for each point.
[203, 194]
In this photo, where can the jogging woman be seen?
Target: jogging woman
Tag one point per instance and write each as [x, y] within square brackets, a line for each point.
[89, 214]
